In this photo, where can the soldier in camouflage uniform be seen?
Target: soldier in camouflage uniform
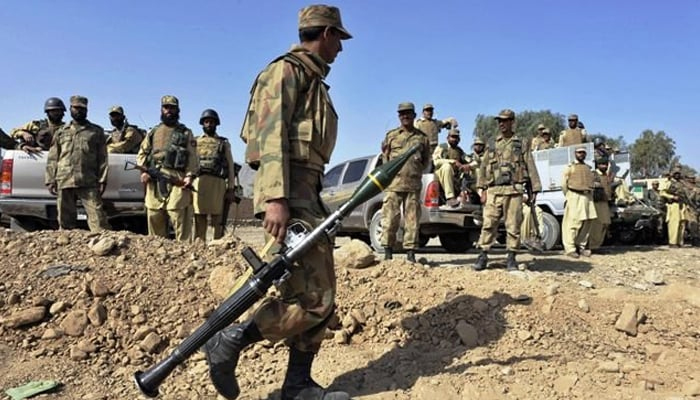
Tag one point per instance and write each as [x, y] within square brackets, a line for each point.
[76, 168]
[124, 138]
[215, 180]
[405, 188]
[574, 135]
[577, 185]
[450, 163]
[290, 130]
[505, 170]
[6, 142]
[602, 195]
[37, 135]
[170, 148]
[543, 142]
[431, 126]
[675, 208]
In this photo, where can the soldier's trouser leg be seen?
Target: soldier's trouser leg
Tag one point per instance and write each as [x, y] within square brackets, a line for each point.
[513, 211]
[411, 224]
[583, 234]
[157, 222]
[391, 218]
[215, 223]
[493, 210]
[182, 223]
[597, 234]
[673, 219]
[200, 227]
[92, 202]
[445, 175]
[527, 230]
[67, 209]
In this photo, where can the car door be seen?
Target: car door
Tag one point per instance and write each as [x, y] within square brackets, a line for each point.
[330, 183]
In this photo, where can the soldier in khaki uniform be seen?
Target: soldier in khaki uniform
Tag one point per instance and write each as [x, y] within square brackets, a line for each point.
[169, 147]
[76, 168]
[290, 130]
[505, 170]
[602, 194]
[450, 163]
[37, 135]
[431, 126]
[537, 136]
[124, 138]
[405, 189]
[215, 180]
[577, 185]
[675, 208]
[544, 142]
[574, 135]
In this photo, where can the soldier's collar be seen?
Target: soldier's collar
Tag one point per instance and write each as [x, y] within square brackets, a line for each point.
[317, 62]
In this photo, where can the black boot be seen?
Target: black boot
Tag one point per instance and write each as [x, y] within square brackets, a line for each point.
[411, 256]
[511, 264]
[388, 253]
[222, 353]
[481, 262]
[298, 384]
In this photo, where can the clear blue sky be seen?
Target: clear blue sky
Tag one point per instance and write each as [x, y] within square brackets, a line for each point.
[623, 66]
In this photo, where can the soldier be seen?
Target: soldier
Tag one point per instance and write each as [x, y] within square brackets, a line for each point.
[602, 195]
[405, 188]
[599, 149]
[431, 126]
[124, 138]
[215, 179]
[6, 142]
[76, 168]
[37, 135]
[170, 148]
[545, 141]
[577, 185]
[653, 196]
[537, 136]
[675, 208]
[290, 130]
[505, 170]
[574, 135]
[450, 164]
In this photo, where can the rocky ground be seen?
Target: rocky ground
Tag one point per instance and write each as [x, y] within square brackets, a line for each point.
[89, 310]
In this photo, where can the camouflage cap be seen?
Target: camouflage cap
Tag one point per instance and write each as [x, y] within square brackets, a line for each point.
[78, 101]
[428, 106]
[572, 117]
[169, 100]
[453, 132]
[478, 140]
[407, 106]
[546, 131]
[540, 127]
[322, 15]
[116, 110]
[506, 114]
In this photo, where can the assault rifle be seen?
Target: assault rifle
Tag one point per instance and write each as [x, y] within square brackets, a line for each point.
[265, 274]
[162, 179]
[535, 244]
[238, 194]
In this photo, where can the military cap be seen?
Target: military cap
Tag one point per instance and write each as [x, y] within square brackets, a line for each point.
[506, 114]
[322, 15]
[478, 141]
[453, 132]
[541, 127]
[601, 160]
[169, 100]
[78, 101]
[572, 117]
[428, 106]
[581, 148]
[408, 106]
[116, 110]
[546, 131]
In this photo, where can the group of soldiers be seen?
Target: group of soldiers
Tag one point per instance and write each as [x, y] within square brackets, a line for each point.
[77, 166]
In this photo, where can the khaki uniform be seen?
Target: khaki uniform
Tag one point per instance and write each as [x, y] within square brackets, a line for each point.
[290, 130]
[127, 140]
[43, 131]
[577, 185]
[431, 127]
[171, 149]
[602, 194]
[539, 143]
[444, 158]
[527, 228]
[503, 174]
[676, 215]
[405, 189]
[77, 165]
[570, 137]
[216, 175]
[6, 142]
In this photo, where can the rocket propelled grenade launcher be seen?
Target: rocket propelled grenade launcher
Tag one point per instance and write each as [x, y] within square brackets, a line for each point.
[264, 275]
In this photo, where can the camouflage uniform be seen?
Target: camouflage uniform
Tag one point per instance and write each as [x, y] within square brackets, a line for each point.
[675, 210]
[76, 166]
[541, 142]
[444, 158]
[405, 188]
[43, 131]
[6, 142]
[577, 185]
[602, 194]
[431, 127]
[170, 149]
[126, 140]
[570, 137]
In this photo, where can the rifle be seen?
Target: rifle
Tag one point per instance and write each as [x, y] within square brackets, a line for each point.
[238, 195]
[162, 179]
[536, 244]
[265, 274]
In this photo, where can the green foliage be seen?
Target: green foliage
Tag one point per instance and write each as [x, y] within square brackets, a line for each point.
[652, 154]
[525, 125]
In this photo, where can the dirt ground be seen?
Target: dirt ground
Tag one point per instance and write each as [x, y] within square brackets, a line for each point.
[623, 325]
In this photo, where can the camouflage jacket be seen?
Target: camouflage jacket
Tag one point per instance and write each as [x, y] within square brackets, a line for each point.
[507, 167]
[432, 127]
[77, 157]
[396, 142]
[126, 140]
[42, 130]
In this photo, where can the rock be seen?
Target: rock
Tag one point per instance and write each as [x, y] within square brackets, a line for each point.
[150, 343]
[468, 334]
[524, 335]
[564, 384]
[583, 305]
[142, 332]
[587, 284]
[522, 298]
[58, 307]
[349, 324]
[52, 334]
[97, 314]
[99, 288]
[359, 316]
[62, 240]
[103, 246]
[25, 317]
[552, 289]
[609, 366]
[222, 280]
[654, 277]
[86, 347]
[507, 371]
[341, 337]
[75, 323]
[12, 299]
[355, 254]
[691, 388]
[628, 319]
[77, 355]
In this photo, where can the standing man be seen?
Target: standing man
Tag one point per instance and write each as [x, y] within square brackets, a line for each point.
[124, 138]
[431, 126]
[574, 135]
[76, 169]
[505, 171]
[215, 180]
[675, 208]
[602, 195]
[405, 189]
[37, 135]
[450, 164]
[170, 148]
[290, 129]
[577, 185]
[537, 136]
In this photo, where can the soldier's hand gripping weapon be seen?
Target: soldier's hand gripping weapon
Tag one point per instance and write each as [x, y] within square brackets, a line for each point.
[265, 274]
[162, 179]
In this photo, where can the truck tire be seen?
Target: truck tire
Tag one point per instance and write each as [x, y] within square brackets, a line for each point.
[375, 234]
[455, 242]
[23, 225]
[551, 231]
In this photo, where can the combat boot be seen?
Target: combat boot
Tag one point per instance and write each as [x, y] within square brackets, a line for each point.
[481, 262]
[298, 384]
[388, 253]
[411, 256]
[222, 352]
[511, 264]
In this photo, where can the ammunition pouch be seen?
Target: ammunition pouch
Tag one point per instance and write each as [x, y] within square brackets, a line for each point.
[504, 177]
[212, 166]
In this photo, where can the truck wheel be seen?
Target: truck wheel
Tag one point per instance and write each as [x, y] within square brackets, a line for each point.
[455, 242]
[550, 231]
[376, 231]
[23, 225]
[627, 236]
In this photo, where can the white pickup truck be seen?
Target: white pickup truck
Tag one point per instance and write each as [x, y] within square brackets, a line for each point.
[29, 205]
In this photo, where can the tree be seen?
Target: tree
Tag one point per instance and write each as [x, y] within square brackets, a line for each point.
[652, 154]
[525, 125]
